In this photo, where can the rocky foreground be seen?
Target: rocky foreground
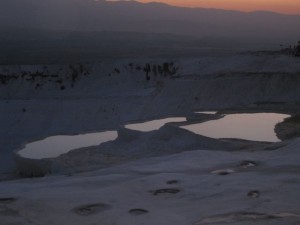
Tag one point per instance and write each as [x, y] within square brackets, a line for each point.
[194, 187]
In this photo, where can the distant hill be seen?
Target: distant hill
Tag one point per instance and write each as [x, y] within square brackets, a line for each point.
[93, 15]
[41, 31]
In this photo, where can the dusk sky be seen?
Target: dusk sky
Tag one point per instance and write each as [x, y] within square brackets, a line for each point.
[282, 6]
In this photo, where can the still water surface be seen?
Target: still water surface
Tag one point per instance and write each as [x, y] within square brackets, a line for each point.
[254, 126]
[153, 124]
[54, 146]
[208, 112]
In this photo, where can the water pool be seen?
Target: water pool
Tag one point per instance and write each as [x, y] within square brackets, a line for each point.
[248, 126]
[54, 146]
[154, 124]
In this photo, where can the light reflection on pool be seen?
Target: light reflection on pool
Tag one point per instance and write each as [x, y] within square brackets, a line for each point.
[254, 126]
[56, 145]
[154, 124]
[208, 112]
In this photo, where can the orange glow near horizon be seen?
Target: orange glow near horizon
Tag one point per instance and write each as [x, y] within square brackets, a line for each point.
[281, 6]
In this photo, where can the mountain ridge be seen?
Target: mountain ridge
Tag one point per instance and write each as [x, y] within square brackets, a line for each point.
[150, 18]
[205, 8]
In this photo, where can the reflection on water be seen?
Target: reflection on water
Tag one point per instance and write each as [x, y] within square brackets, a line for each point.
[208, 112]
[154, 124]
[255, 126]
[56, 145]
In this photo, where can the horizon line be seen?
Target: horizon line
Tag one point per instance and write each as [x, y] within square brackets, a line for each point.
[209, 8]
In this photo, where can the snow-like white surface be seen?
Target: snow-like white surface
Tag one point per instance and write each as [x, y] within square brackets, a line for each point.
[47, 100]
[197, 181]
[178, 189]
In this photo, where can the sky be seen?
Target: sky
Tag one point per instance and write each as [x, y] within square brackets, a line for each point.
[281, 6]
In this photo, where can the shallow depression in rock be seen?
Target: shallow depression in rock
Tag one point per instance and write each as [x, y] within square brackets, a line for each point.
[253, 126]
[54, 146]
